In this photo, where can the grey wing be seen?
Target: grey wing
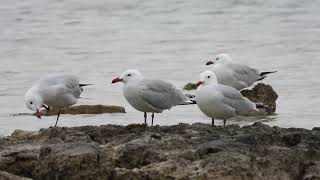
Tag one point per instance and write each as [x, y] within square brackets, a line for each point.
[58, 95]
[160, 94]
[244, 73]
[74, 89]
[54, 79]
[234, 98]
[69, 83]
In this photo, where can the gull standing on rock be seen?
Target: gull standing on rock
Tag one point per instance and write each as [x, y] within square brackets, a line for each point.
[220, 101]
[234, 74]
[149, 95]
[57, 91]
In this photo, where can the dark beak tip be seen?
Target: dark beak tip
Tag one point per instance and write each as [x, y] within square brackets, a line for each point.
[209, 63]
[199, 83]
[115, 80]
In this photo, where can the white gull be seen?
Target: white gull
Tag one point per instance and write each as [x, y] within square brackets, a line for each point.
[149, 95]
[234, 74]
[220, 101]
[57, 91]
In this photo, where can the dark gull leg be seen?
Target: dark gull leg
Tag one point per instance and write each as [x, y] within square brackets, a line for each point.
[145, 118]
[57, 118]
[152, 117]
[212, 122]
[224, 123]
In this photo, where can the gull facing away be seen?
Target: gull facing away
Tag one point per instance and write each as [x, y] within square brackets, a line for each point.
[234, 74]
[149, 95]
[220, 101]
[57, 91]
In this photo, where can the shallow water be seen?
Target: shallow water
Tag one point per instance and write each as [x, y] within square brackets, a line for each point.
[169, 40]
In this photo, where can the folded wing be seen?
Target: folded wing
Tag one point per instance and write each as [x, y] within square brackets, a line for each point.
[160, 94]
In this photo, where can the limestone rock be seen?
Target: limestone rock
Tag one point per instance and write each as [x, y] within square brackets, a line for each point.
[85, 109]
[182, 151]
[80, 109]
[262, 93]
[8, 176]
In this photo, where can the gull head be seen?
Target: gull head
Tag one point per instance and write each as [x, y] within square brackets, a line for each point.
[207, 77]
[220, 59]
[128, 75]
[34, 102]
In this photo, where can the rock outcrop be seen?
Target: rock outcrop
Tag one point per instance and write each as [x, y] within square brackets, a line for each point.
[262, 93]
[183, 151]
[85, 109]
[80, 109]
[8, 176]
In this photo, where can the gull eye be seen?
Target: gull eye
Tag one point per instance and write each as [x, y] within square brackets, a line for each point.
[217, 58]
[129, 74]
[31, 102]
[209, 76]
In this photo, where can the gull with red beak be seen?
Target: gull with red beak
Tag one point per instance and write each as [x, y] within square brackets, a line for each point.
[234, 74]
[149, 95]
[57, 91]
[219, 101]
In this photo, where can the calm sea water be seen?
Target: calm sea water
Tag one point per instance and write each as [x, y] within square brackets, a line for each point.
[165, 39]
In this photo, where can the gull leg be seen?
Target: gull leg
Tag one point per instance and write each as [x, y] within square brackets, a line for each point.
[145, 118]
[57, 118]
[152, 117]
[212, 122]
[224, 123]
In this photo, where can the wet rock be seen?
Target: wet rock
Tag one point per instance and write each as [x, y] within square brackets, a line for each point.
[8, 176]
[85, 109]
[262, 93]
[182, 151]
[80, 109]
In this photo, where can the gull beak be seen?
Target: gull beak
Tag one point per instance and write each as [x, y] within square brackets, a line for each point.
[38, 113]
[199, 83]
[209, 63]
[115, 80]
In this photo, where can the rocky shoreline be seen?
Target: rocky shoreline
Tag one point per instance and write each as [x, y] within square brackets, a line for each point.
[183, 151]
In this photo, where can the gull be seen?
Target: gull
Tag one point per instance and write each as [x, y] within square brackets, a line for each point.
[220, 101]
[57, 91]
[234, 74]
[149, 95]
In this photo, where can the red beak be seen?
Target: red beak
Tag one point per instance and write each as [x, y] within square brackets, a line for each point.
[115, 80]
[38, 114]
[199, 83]
[209, 62]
